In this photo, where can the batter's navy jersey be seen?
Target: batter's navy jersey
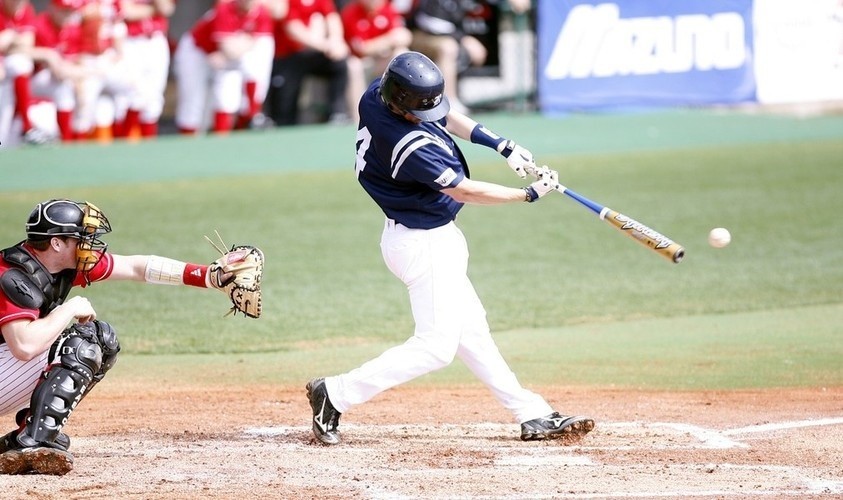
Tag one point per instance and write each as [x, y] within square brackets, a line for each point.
[404, 166]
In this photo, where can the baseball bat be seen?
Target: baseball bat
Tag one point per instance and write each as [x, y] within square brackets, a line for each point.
[641, 233]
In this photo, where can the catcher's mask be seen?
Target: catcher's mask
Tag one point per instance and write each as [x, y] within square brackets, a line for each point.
[80, 220]
[412, 83]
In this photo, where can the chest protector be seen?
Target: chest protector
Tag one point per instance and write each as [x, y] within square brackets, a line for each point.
[27, 284]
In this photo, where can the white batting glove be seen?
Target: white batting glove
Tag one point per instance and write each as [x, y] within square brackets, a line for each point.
[519, 159]
[548, 180]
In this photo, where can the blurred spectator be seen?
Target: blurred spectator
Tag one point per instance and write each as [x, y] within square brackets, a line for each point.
[228, 48]
[59, 72]
[438, 33]
[308, 41]
[110, 84]
[148, 54]
[375, 33]
[17, 37]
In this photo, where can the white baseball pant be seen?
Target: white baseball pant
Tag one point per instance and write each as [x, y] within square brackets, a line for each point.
[109, 75]
[450, 321]
[257, 67]
[14, 65]
[193, 73]
[149, 59]
[18, 379]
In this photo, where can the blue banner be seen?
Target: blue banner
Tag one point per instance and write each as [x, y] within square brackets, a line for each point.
[633, 53]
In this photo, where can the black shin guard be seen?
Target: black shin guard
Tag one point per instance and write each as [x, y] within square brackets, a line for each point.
[77, 363]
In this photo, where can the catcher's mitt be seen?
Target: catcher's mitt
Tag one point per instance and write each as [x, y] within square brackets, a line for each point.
[238, 274]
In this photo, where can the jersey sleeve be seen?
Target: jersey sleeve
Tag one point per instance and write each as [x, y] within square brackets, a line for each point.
[11, 312]
[101, 271]
[425, 158]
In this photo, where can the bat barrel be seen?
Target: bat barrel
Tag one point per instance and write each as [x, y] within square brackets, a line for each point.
[647, 236]
[641, 233]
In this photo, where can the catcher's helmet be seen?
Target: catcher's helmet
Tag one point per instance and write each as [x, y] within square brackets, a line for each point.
[83, 221]
[412, 83]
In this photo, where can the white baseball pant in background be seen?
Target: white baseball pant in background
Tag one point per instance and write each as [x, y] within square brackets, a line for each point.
[149, 60]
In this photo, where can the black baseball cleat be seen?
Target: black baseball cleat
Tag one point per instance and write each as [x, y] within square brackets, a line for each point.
[9, 442]
[61, 442]
[556, 426]
[325, 417]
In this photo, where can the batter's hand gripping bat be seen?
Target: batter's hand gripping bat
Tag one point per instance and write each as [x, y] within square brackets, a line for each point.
[641, 233]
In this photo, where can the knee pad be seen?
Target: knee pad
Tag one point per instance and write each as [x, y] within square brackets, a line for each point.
[107, 339]
[96, 332]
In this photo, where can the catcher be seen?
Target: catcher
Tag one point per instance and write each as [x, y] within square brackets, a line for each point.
[48, 366]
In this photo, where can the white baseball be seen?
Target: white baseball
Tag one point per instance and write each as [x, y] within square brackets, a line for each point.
[719, 237]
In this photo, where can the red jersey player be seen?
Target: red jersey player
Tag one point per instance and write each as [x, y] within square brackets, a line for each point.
[375, 33]
[229, 47]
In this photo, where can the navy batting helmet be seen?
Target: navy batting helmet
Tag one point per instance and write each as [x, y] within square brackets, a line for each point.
[412, 83]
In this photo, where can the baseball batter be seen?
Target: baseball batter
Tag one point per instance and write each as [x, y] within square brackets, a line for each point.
[411, 166]
[48, 367]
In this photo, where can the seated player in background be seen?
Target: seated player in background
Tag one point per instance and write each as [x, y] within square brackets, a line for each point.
[439, 34]
[147, 51]
[17, 37]
[309, 40]
[59, 71]
[375, 33]
[229, 47]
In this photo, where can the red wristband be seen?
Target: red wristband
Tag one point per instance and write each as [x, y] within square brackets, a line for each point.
[194, 275]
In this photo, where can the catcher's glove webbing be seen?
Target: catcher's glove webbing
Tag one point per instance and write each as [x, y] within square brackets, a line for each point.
[238, 275]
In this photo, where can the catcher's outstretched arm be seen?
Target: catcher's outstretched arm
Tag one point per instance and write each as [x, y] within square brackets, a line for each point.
[237, 273]
[158, 270]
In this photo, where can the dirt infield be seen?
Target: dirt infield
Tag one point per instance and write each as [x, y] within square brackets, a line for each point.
[132, 442]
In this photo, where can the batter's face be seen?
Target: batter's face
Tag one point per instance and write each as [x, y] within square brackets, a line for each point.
[404, 114]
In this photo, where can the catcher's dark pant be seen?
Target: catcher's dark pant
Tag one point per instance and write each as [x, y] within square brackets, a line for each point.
[288, 74]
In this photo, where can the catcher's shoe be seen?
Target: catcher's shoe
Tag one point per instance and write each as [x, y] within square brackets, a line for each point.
[556, 426]
[61, 442]
[10, 442]
[325, 417]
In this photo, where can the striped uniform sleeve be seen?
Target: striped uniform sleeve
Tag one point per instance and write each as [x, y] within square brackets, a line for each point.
[425, 158]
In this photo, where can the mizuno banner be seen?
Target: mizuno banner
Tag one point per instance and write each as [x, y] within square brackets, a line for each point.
[632, 53]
